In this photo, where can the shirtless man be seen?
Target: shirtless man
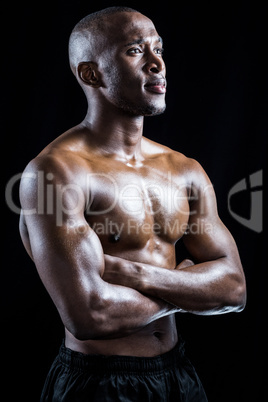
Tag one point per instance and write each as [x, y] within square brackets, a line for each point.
[102, 209]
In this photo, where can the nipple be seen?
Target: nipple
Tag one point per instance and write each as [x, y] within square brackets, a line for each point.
[114, 237]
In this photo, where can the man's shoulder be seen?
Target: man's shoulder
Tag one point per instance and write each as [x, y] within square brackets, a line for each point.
[63, 156]
[52, 162]
[177, 159]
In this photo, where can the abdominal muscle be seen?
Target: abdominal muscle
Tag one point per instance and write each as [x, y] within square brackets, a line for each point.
[154, 339]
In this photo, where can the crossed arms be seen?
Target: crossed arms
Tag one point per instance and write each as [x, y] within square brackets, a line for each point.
[100, 296]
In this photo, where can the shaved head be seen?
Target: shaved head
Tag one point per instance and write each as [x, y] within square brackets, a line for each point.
[114, 53]
[82, 42]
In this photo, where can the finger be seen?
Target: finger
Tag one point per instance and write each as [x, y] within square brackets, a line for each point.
[185, 264]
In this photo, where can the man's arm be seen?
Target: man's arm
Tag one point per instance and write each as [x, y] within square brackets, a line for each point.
[214, 284]
[70, 261]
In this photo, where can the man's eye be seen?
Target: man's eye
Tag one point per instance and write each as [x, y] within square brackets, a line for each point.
[134, 50]
[160, 51]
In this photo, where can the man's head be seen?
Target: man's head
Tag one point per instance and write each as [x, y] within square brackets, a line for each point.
[116, 56]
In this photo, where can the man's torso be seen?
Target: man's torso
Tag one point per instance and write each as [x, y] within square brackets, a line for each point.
[138, 209]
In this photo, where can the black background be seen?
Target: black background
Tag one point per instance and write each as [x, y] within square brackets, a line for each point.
[216, 98]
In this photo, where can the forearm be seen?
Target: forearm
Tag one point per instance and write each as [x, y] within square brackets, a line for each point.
[121, 311]
[206, 288]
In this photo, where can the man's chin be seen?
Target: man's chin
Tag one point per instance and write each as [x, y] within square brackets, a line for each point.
[155, 111]
[144, 110]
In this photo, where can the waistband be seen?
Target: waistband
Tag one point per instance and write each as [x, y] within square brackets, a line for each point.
[131, 364]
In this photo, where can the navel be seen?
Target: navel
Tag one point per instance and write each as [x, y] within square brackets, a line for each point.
[157, 334]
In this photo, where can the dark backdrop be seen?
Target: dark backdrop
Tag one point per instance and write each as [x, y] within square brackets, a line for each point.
[216, 113]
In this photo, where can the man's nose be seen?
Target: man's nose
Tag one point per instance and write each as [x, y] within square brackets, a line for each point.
[155, 64]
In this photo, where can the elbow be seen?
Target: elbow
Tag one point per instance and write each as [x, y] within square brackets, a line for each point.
[91, 321]
[241, 298]
[89, 328]
[238, 296]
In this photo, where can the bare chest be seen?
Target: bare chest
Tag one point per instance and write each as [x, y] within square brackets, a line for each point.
[136, 205]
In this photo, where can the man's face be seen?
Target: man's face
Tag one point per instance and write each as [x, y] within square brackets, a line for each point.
[132, 65]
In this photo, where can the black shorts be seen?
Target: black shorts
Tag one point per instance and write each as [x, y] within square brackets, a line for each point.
[75, 377]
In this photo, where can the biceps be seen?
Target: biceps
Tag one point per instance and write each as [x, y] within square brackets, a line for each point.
[208, 239]
[69, 260]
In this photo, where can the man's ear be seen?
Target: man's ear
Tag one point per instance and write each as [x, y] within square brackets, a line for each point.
[89, 74]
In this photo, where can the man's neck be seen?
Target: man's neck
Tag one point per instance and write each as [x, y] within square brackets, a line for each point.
[117, 134]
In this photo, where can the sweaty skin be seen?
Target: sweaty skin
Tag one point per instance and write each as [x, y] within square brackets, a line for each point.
[103, 207]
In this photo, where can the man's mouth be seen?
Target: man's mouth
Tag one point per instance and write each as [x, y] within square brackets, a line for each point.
[157, 86]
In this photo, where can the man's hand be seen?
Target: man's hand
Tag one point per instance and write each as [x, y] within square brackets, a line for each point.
[185, 264]
[131, 274]
[119, 271]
